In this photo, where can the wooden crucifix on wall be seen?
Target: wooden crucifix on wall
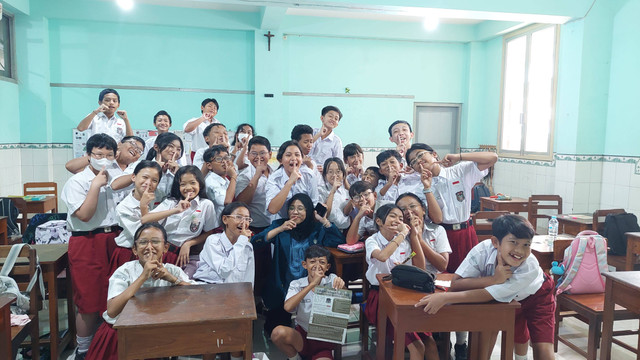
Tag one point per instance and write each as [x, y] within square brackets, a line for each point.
[269, 35]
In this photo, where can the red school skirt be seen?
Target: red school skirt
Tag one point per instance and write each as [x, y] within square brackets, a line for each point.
[371, 312]
[461, 241]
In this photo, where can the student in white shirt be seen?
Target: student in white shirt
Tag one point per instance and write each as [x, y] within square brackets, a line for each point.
[129, 211]
[299, 300]
[195, 126]
[90, 203]
[363, 198]
[104, 119]
[334, 194]
[221, 178]
[166, 151]
[502, 269]
[214, 134]
[187, 215]
[252, 181]
[291, 178]
[326, 143]
[400, 133]
[303, 135]
[353, 159]
[130, 148]
[392, 245]
[228, 256]
[150, 243]
[162, 122]
[432, 238]
[239, 149]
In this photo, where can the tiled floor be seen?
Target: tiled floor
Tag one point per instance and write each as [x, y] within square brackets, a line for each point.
[570, 327]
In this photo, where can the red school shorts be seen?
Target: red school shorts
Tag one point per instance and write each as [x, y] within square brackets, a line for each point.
[371, 312]
[536, 317]
[89, 257]
[314, 349]
[461, 241]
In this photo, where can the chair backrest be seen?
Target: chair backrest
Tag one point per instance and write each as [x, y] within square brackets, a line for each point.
[633, 251]
[42, 188]
[599, 215]
[543, 202]
[485, 215]
[559, 245]
[490, 214]
[23, 271]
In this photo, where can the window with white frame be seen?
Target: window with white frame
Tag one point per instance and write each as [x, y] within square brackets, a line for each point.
[527, 110]
[6, 47]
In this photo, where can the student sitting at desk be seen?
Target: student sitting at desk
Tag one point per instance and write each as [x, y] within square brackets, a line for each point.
[392, 245]
[293, 342]
[150, 244]
[502, 269]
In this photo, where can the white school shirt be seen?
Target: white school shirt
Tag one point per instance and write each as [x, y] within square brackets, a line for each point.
[129, 217]
[189, 223]
[223, 262]
[378, 242]
[216, 190]
[322, 149]
[117, 172]
[436, 238]
[408, 183]
[366, 225]
[197, 137]
[113, 126]
[307, 184]
[163, 189]
[481, 262]
[351, 179]
[452, 190]
[303, 310]
[129, 272]
[74, 193]
[258, 205]
[340, 200]
[148, 145]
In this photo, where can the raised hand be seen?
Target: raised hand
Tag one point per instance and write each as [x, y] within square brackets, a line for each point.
[172, 165]
[102, 108]
[207, 116]
[288, 225]
[306, 160]
[503, 270]
[101, 178]
[317, 274]
[147, 197]
[122, 114]
[245, 230]
[338, 283]
[450, 159]
[365, 210]
[183, 205]
[425, 177]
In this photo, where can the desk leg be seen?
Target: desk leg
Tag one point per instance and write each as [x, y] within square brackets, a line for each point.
[248, 345]
[5, 328]
[607, 321]
[54, 337]
[398, 346]
[506, 351]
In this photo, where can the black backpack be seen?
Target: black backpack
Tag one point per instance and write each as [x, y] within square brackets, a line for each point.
[479, 190]
[11, 212]
[615, 227]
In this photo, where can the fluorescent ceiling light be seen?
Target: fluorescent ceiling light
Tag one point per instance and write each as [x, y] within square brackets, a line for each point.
[430, 22]
[125, 4]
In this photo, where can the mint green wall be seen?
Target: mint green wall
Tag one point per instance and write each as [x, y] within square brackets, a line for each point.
[9, 112]
[623, 118]
[16, 6]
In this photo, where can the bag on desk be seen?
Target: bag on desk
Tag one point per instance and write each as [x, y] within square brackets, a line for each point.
[411, 277]
[53, 232]
[615, 226]
[584, 262]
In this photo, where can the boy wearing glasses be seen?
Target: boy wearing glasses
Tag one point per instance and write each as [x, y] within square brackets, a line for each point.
[90, 203]
[214, 134]
[363, 198]
[221, 178]
[252, 180]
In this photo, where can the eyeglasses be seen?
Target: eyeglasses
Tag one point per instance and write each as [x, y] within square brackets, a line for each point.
[102, 156]
[299, 209]
[261, 153]
[240, 218]
[411, 207]
[135, 146]
[362, 196]
[418, 158]
[221, 159]
[145, 242]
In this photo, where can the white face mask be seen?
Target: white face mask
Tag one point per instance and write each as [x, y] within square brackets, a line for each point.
[98, 164]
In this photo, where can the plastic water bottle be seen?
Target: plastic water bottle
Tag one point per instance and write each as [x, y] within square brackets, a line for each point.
[553, 229]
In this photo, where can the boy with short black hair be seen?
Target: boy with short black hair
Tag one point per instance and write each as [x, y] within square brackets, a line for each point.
[353, 158]
[214, 134]
[372, 176]
[363, 198]
[104, 120]
[195, 126]
[326, 143]
[252, 181]
[502, 269]
[294, 342]
[400, 133]
[221, 178]
[303, 134]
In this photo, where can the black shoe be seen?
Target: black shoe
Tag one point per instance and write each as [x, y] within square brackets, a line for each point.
[461, 351]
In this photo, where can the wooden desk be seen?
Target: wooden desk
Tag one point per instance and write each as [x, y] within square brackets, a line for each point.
[54, 261]
[4, 236]
[5, 322]
[342, 258]
[41, 206]
[397, 305]
[633, 250]
[574, 223]
[622, 288]
[201, 319]
[543, 250]
[515, 205]
[483, 226]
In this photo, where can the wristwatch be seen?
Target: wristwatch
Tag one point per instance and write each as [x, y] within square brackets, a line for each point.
[426, 191]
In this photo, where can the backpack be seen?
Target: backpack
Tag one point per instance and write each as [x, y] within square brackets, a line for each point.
[584, 262]
[11, 212]
[9, 286]
[615, 227]
[479, 190]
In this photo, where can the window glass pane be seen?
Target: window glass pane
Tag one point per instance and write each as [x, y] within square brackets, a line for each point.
[513, 94]
[540, 90]
[3, 23]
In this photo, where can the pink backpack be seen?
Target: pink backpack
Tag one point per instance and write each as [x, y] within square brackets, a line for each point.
[584, 262]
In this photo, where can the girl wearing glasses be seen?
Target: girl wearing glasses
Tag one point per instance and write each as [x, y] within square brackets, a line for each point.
[291, 236]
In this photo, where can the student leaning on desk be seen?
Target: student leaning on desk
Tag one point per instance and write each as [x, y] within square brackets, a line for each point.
[502, 269]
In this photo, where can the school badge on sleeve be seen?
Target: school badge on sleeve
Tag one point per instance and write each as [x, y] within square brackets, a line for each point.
[460, 196]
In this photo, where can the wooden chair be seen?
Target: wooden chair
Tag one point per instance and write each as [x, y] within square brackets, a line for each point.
[543, 202]
[588, 308]
[23, 218]
[362, 320]
[617, 261]
[632, 258]
[22, 272]
[482, 222]
[42, 188]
